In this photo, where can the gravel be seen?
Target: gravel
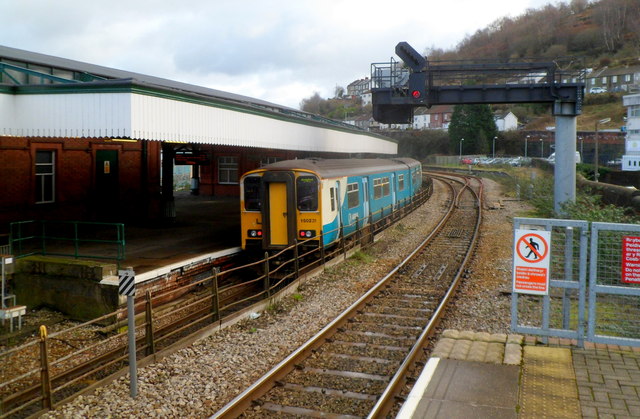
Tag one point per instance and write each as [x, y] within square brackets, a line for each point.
[199, 380]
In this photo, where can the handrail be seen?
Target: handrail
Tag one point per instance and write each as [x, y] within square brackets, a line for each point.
[43, 237]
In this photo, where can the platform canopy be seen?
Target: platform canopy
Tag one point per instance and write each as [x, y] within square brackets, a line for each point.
[44, 96]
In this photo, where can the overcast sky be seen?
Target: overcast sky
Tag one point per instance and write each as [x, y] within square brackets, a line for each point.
[276, 50]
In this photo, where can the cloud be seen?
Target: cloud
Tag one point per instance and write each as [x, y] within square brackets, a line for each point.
[276, 50]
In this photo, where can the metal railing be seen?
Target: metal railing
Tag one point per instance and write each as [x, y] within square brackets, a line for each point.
[46, 374]
[78, 239]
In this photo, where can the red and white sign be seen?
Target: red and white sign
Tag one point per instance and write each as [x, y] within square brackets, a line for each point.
[531, 262]
[631, 260]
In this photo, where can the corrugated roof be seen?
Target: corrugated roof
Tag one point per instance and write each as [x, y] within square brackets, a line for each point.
[111, 73]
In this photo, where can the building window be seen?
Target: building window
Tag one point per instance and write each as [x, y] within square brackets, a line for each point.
[401, 182]
[45, 176]
[634, 111]
[267, 160]
[614, 79]
[227, 170]
[627, 77]
[353, 199]
[604, 80]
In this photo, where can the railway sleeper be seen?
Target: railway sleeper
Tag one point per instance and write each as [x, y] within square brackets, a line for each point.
[376, 338]
[356, 384]
[365, 351]
[303, 411]
[327, 361]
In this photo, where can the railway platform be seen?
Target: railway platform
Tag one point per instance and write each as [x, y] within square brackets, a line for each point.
[203, 226]
[482, 375]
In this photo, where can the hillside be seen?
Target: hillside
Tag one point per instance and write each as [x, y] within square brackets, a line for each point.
[600, 33]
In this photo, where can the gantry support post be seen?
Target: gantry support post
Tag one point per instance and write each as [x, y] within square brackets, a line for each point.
[564, 183]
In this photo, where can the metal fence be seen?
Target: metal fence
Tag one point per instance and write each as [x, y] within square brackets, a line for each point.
[561, 313]
[68, 238]
[614, 284]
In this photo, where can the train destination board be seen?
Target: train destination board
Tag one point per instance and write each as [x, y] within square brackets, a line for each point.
[531, 262]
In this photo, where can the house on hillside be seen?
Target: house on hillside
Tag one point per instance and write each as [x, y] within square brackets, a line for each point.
[506, 121]
[631, 157]
[436, 117]
[621, 79]
[359, 87]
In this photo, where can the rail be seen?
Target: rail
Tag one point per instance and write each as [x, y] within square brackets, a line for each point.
[46, 373]
[276, 375]
[67, 238]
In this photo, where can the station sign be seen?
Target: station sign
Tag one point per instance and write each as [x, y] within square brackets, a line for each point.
[191, 158]
[631, 260]
[531, 255]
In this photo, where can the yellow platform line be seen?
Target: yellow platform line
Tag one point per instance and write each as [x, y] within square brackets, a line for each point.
[548, 388]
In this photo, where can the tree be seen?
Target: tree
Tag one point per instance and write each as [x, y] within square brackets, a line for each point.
[476, 125]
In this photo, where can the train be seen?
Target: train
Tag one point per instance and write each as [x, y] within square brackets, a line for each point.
[318, 201]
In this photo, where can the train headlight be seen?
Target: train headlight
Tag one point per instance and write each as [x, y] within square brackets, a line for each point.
[255, 234]
[307, 234]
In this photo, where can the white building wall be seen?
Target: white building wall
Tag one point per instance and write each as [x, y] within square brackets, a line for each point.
[631, 157]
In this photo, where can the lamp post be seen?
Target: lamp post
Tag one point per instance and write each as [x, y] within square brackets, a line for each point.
[525, 145]
[494, 147]
[461, 140]
[596, 175]
[541, 148]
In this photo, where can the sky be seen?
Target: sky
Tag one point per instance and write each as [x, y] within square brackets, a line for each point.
[274, 50]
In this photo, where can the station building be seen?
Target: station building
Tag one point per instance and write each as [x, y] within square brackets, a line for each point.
[85, 142]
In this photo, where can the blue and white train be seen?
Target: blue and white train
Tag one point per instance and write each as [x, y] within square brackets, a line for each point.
[310, 198]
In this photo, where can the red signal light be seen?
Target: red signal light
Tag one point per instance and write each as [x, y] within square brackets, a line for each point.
[416, 94]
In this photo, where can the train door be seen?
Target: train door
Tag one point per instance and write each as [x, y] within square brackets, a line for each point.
[339, 205]
[280, 210]
[393, 190]
[278, 213]
[365, 199]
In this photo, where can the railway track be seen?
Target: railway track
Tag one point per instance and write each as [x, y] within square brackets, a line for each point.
[23, 395]
[359, 363]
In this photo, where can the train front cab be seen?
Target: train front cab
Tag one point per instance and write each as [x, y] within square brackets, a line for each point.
[279, 207]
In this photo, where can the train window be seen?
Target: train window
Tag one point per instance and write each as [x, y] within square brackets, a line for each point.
[401, 182]
[252, 195]
[307, 190]
[386, 190]
[377, 188]
[353, 199]
[332, 193]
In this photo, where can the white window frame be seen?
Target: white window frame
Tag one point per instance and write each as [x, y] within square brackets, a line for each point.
[50, 173]
[353, 188]
[401, 182]
[226, 165]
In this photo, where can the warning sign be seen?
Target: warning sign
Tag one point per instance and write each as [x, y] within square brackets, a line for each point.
[631, 260]
[531, 262]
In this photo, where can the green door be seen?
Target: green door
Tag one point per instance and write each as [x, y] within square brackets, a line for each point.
[107, 179]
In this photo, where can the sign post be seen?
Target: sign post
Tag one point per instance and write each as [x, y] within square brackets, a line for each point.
[127, 286]
[531, 262]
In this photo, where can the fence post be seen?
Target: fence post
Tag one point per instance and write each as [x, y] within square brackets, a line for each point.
[215, 300]
[267, 281]
[151, 346]
[322, 255]
[76, 250]
[344, 242]
[295, 255]
[568, 276]
[45, 380]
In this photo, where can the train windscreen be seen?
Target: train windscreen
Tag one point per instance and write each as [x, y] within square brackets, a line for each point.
[307, 193]
[252, 198]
